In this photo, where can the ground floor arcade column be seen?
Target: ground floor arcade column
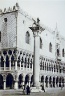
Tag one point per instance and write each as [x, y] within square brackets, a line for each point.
[16, 81]
[4, 82]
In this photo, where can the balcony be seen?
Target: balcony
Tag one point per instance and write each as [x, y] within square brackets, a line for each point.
[13, 68]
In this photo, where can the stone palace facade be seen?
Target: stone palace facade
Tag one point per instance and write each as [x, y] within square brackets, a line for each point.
[17, 52]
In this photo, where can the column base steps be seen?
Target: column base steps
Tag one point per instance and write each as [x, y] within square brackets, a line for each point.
[36, 89]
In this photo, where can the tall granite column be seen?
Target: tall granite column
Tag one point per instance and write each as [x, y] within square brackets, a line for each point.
[36, 67]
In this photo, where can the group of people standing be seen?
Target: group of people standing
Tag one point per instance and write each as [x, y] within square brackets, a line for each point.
[27, 90]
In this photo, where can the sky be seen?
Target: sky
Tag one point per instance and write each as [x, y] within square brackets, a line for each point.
[50, 12]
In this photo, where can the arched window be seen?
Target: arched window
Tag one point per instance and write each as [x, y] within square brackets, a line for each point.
[54, 68]
[63, 52]
[50, 47]
[47, 66]
[40, 43]
[27, 37]
[41, 65]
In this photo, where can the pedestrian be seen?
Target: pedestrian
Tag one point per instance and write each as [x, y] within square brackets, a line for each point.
[43, 88]
[28, 90]
[61, 87]
[23, 89]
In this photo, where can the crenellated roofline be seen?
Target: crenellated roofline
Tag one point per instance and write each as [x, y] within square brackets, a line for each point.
[10, 9]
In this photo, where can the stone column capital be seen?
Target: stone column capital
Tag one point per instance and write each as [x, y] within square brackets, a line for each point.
[4, 59]
[4, 78]
[9, 58]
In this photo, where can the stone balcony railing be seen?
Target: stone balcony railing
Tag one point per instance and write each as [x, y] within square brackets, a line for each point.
[13, 68]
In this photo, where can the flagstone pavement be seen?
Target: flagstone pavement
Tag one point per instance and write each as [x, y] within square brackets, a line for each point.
[19, 93]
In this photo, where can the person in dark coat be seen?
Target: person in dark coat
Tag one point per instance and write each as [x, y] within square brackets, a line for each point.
[43, 88]
[28, 90]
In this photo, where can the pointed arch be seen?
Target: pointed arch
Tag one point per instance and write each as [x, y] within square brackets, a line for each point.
[50, 81]
[53, 81]
[2, 61]
[25, 62]
[26, 79]
[28, 62]
[63, 52]
[12, 60]
[57, 80]
[60, 80]
[9, 81]
[22, 61]
[46, 81]
[7, 61]
[1, 82]
[20, 80]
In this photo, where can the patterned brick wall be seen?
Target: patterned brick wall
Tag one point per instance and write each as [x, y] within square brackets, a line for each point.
[8, 30]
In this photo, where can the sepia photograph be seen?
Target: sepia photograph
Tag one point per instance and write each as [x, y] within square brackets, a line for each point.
[32, 47]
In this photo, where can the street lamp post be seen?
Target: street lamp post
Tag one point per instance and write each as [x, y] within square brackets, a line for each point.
[36, 66]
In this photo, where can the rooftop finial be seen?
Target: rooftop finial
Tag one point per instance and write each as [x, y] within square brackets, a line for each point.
[38, 20]
[9, 9]
[4, 9]
[56, 30]
[13, 7]
[17, 5]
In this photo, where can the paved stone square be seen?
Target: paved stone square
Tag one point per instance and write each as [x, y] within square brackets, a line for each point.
[19, 93]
